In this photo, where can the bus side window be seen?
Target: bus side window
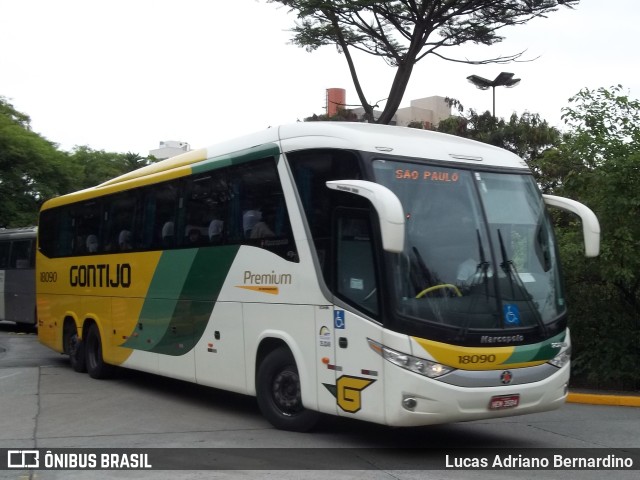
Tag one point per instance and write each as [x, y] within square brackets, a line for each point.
[311, 170]
[355, 263]
[56, 232]
[121, 211]
[159, 206]
[5, 247]
[20, 254]
[89, 225]
[258, 211]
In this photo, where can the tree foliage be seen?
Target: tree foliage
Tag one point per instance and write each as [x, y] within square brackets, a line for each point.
[342, 115]
[33, 169]
[527, 135]
[403, 32]
[601, 168]
[96, 166]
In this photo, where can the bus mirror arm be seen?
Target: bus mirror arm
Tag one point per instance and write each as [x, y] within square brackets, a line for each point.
[387, 205]
[590, 224]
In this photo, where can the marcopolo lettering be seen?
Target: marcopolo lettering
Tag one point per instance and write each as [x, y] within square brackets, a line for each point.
[101, 275]
[501, 339]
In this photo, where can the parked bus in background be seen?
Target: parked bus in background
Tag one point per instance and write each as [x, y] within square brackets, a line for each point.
[381, 273]
[17, 275]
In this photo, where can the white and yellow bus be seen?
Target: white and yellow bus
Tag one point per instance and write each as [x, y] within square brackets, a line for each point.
[381, 273]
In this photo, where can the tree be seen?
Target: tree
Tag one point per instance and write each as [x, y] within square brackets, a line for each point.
[601, 168]
[527, 135]
[342, 115]
[97, 166]
[403, 32]
[133, 161]
[32, 169]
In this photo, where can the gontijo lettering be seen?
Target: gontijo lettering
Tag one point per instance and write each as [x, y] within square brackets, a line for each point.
[100, 275]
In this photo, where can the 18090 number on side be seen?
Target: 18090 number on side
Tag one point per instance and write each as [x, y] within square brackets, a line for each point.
[48, 277]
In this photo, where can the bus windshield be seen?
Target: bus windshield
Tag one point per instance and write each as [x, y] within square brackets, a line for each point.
[479, 251]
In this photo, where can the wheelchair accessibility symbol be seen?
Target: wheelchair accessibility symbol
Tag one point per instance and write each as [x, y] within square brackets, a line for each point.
[511, 314]
[338, 319]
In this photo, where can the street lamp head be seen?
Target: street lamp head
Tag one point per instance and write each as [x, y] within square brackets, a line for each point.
[480, 82]
[504, 79]
[512, 83]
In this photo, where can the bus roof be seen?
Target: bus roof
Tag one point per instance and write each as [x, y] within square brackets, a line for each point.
[401, 141]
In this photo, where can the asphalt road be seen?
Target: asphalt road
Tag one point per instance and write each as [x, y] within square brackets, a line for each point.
[45, 404]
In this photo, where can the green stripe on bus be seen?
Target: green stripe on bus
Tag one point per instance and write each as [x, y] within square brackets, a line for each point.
[536, 352]
[197, 299]
[161, 300]
[242, 156]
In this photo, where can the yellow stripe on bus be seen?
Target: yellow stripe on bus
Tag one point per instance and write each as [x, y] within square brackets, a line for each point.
[473, 358]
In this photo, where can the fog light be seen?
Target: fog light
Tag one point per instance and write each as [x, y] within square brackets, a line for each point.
[409, 403]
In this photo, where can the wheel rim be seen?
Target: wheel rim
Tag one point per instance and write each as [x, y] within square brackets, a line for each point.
[286, 392]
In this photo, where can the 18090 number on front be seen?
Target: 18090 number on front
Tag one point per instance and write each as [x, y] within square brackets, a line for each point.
[467, 359]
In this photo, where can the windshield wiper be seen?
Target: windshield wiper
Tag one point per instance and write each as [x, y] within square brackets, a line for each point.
[483, 266]
[483, 269]
[507, 265]
[424, 270]
[509, 268]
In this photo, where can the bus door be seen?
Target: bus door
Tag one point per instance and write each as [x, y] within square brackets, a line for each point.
[358, 372]
[2, 282]
[325, 358]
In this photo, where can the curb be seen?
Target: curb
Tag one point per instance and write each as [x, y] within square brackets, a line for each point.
[597, 399]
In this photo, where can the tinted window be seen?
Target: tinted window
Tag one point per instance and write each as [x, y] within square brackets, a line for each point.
[240, 204]
[311, 170]
[21, 255]
[5, 248]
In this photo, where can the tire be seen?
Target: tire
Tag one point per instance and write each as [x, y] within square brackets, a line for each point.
[74, 347]
[93, 354]
[77, 356]
[278, 393]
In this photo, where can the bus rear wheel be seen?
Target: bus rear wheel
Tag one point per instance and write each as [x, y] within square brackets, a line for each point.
[278, 393]
[93, 352]
[74, 347]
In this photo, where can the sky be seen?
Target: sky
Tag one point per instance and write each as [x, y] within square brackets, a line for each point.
[123, 75]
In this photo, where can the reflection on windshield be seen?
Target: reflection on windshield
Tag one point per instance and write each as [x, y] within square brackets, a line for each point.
[479, 251]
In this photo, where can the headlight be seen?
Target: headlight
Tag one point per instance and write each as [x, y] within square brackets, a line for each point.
[561, 359]
[409, 362]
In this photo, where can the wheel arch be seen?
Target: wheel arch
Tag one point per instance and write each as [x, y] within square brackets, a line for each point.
[273, 340]
[69, 322]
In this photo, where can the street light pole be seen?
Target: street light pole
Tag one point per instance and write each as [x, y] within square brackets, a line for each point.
[505, 79]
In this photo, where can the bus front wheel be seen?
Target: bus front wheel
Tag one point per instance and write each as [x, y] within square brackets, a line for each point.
[278, 393]
[93, 352]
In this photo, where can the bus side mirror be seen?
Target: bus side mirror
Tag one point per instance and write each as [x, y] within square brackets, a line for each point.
[387, 205]
[590, 224]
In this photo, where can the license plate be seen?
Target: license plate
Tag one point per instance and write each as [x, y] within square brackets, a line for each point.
[500, 402]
